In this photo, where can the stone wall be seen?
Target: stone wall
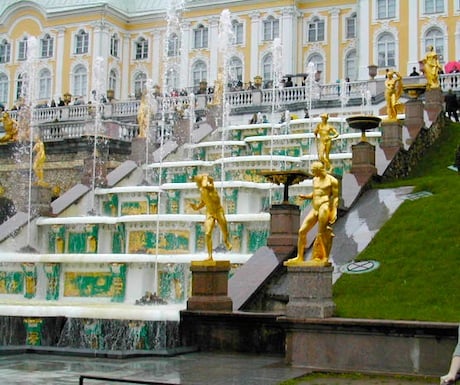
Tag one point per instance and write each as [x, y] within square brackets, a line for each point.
[405, 160]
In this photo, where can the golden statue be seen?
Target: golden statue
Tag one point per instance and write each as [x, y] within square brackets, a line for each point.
[393, 91]
[325, 202]
[432, 67]
[217, 97]
[11, 128]
[39, 161]
[325, 133]
[214, 211]
[143, 116]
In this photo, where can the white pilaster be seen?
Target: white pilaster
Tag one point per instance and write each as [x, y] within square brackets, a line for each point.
[334, 54]
[157, 56]
[214, 61]
[413, 39]
[125, 54]
[59, 64]
[255, 31]
[288, 39]
[364, 55]
[184, 56]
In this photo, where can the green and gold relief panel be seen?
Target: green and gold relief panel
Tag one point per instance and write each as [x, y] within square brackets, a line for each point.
[169, 241]
[110, 206]
[79, 239]
[134, 207]
[11, 282]
[94, 284]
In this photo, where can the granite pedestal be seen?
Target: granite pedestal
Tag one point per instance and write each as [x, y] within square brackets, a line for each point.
[210, 286]
[363, 161]
[310, 292]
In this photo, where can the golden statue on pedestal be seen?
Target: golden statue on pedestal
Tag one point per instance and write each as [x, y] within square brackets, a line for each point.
[324, 205]
[431, 68]
[393, 91]
[214, 211]
[325, 133]
[11, 128]
[39, 161]
[143, 116]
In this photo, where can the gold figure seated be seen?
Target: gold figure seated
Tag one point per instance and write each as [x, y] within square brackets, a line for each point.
[11, 128]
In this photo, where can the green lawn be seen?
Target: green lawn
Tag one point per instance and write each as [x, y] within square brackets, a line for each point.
[418, 249]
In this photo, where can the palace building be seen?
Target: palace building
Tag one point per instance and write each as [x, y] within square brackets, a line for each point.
[176, 44]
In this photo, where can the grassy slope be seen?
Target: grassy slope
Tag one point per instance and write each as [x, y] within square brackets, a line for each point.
[418, 249]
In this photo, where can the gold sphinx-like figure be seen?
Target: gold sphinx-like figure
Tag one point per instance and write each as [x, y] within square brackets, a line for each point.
[324, 205]
[214, 211]
[325, 133]
[11, 128]
[393, 91]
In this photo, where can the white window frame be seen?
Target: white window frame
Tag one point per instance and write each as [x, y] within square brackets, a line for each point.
[200, 37]
[81, 42]
[141, 48]
[271, 28]
[46, 46]
[80, 81]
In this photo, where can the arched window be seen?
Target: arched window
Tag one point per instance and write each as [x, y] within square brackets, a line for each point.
[236, 69]
[114, 45]
[81, 42]
[199, 72]
[44, 84]
[351, 70]
[3, 88]
[142, 49]
[173, 45]
[316, 30]
[113, 80]
[140, 80]
[267, 68]
[200, 37]
[5, 51]
[318, 61]
[271, 28]
[80, 81]
[386, 50]
[46, 46]
[434, 37]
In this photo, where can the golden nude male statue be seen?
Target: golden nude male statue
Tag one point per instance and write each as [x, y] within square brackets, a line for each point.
[393, 91]
[11, 128]
[214, 211]
[324, 205]
[39, 161]
[325, 133]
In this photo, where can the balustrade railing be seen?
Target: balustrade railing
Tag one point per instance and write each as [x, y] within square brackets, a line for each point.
[69, 121]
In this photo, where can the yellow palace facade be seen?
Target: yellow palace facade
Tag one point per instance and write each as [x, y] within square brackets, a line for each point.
[176, 44]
